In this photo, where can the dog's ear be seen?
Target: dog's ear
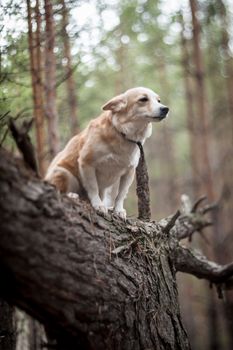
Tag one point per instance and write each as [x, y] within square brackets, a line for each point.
[116, 104]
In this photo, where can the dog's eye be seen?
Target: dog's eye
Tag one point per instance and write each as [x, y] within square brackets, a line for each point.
[159, 100]
[143, 99]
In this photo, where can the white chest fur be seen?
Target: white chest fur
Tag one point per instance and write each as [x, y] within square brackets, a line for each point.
[111, 166]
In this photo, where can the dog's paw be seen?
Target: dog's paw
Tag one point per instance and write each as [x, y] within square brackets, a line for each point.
[73, 195]
[101, 209]
[121, 213]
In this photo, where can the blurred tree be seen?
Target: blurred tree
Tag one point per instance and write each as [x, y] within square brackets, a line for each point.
[227, 191]
[186, 64]
[71, 93]
[203, 123]
[34, 40]
[217, 25]
[204, 141]
[190, 114]
[7, 326]
[171, 190]
[50, 80]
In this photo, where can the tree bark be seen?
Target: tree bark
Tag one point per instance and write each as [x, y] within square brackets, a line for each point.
[50, 80]
[142, 188]
[102, 283]
[71, 94]
[97, 282]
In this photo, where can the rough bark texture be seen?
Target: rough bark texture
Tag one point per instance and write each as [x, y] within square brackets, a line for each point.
[24, 143]
[143, 191]
[110, 284]
[95, 283]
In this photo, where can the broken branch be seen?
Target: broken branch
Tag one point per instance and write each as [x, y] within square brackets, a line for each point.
[23, 142]
[194, 263]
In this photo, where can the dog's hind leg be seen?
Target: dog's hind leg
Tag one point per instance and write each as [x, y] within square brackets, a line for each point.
[63, 180]
[60, 180]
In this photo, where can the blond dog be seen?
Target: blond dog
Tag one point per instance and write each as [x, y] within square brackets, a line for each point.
[101, 161]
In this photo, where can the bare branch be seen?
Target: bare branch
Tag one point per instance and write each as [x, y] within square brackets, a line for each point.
[142, 188]
[192, 224]
[197, 204]
[193, 218]
[23, 142]
[194, 263]
[171, 223]
[208, 208]
[67, 75]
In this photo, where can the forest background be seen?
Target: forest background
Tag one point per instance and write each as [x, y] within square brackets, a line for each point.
[60, 61]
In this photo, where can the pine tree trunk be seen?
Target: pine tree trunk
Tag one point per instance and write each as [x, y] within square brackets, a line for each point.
[228, 60]
[100, 283]
[71, 93]
[203, 132]
[225, 145]
[190, 112]
[170, 189]
[204, 167]
[50, 80]
[34, 41]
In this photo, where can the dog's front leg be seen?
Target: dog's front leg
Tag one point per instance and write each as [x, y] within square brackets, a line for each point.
[89, 181]
[125, 182]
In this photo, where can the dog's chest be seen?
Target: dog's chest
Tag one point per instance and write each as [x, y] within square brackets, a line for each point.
[112, 166]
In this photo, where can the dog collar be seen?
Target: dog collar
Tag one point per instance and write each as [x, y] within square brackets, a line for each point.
[138, 143]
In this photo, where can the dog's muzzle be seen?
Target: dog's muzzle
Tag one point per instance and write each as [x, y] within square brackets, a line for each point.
[163, 112]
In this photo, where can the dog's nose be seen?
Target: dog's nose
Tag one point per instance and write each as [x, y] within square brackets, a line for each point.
[164, 110]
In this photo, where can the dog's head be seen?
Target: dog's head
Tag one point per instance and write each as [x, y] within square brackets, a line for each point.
[138, 104]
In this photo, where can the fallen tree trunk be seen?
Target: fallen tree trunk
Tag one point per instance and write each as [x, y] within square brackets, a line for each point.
[99, 283]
